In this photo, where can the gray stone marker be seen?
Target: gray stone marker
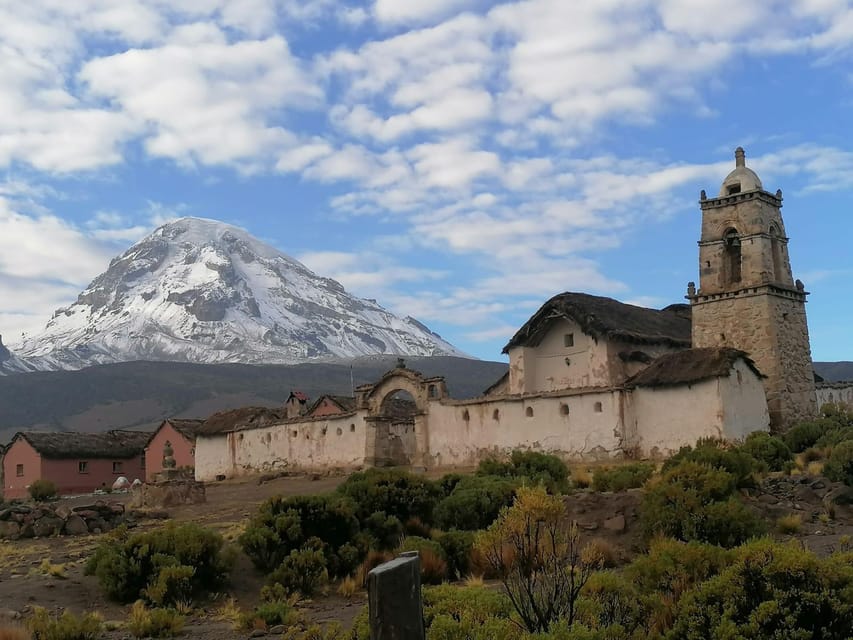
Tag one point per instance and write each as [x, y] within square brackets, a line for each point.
[394, 599]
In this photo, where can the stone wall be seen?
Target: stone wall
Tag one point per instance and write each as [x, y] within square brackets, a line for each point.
[835, 393]
[26, 521]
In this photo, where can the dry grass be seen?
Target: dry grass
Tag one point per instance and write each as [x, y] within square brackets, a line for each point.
[815, 468]
[790, 524]
[474, 581]
[845, 542]
[230, 612]
[433, 567]
[348, 587]
[581, 477]
[373, 560]
[602, 552]
[46, 568]
[13, 632]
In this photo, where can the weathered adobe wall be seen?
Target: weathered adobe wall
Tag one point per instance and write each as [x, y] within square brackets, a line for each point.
[667, 418]
[584, 432]
[834, 393]
[543, 368]
[621, 370]
[183, 450]
[99, 473]
[773, 330]
[21, 452]
[333, 442]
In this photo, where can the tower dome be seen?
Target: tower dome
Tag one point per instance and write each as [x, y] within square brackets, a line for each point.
[741, 179]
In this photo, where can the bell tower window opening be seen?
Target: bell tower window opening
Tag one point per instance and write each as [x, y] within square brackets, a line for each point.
[732, 254]
[732, 189]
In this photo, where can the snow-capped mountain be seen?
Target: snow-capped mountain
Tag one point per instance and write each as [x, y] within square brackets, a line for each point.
[199, 290]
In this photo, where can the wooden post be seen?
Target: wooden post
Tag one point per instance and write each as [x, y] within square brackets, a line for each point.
[394, 599]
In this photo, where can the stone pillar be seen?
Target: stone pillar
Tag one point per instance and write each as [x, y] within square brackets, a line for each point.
[420, 460]
[394, 599]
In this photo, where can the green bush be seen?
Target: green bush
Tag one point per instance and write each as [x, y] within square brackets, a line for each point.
[447, 483]
[770, 451]
[623, 477]
[806, 434]
[474, 503]
[538, 468]
[671, 567]
[835, 436]
[41, 490]
[164, 565]
[384, 531]
[154, 623]
[770, 591]
[273, 613]
[694, 502]
[432, 560]
[719, 455]
[43, 626]
[395, 492]
[455, 601]
[839, 467]
[457, 547]
[302, 572]
[609, 599]
[284, 524]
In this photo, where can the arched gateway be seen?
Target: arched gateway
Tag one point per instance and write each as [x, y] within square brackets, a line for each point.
[398, 417]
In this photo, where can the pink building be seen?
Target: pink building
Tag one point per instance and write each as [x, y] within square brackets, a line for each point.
[328, 405]
[75, 462]
[180, 434]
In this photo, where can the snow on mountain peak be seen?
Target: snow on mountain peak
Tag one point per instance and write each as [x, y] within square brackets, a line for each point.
[200, 290]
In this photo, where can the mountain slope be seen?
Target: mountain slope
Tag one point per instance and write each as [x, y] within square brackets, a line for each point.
[140, 394]
[203, 291]
[834, 371]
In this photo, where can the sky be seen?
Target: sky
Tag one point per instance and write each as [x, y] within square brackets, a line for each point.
[460, 161]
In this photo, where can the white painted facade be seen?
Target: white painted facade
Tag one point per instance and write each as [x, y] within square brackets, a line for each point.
[834, 393]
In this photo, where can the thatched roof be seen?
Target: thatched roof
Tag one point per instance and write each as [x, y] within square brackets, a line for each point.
[689, 366]
[602, 317]
[59, 445]
[241, 419]
[186, 427]
[346, 404]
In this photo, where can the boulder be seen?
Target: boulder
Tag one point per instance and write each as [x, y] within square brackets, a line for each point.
[63, 511]
[616, 523]
[76, 526]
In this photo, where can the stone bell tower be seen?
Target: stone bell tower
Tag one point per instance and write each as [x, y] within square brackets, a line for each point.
[747, 297]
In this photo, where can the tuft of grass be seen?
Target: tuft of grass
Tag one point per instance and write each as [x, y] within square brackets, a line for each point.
[46, 568]
[154, 623]
[824, 517]
[44, 626]
[602, 552]
[230, 612]
[474, 581]
[14, 632]
[373, 560]
[184, 607]
[845, 542]
[581, 477]
[790, 524]
[348, 587]
[815, 468]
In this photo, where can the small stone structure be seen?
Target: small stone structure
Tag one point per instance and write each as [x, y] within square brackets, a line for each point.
[394, 599]
[168, 493]
[27, 521]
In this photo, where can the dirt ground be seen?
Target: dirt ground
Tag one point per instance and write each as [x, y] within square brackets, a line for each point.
[610, 518]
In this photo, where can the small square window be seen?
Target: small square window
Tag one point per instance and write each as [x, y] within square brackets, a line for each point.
[19, 470]
[117, 467]
[83, 467]
[569, 340]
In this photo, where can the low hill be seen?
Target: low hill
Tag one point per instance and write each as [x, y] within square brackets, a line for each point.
[834, 371]
[141, 394]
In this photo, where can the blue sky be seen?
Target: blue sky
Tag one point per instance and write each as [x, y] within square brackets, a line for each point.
[458, 160]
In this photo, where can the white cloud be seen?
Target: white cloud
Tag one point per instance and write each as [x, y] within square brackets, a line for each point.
[416, 11]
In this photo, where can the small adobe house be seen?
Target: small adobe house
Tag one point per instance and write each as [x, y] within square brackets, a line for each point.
[75, 462]
[330, 405]
[296, 404]
[180, 434]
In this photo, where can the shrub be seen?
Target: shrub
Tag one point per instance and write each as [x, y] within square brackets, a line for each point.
[284, 524]
[447, 483]
[433, 563]
[190, 559]
[547, 570]
[770, 451]
[839, 467]
[457, 546]
[43, 626]
[384, 531]
[609, 599]
[789, 524]
[623, 477]
[392, 491]
[154, 623]
[302, 572]
[41, 490]
[273, 613]
[719, 455]
[770, 591]
[416, 527]
[474, 503]
[540, 468]
[805, 434]
[373, 560]
[671, 567]
[834, 437]
[454, 601]
[348, 587]
[694, 502]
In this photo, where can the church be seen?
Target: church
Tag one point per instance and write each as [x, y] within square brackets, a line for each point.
[589, 378]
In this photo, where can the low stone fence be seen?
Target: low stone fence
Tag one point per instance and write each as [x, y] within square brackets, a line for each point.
[38, 521]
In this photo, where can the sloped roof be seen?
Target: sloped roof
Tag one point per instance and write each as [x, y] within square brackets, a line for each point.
[605, 317]
[240, 419]
[299, 395]
[61, 445]
[689, 366]
[345, 403]
[186, 427]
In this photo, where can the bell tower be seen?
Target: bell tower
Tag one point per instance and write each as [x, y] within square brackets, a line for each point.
[747, 297]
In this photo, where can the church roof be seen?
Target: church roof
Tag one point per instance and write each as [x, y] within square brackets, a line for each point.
[602, 317]
[241, 419]
[689, 366]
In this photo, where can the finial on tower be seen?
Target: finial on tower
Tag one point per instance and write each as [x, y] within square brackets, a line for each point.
[740, 157]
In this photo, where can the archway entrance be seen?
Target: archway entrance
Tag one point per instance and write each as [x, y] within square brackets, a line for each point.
[395, 430]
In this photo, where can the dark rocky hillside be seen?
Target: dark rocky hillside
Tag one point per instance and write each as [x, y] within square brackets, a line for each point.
[834, 371]
[140, 394]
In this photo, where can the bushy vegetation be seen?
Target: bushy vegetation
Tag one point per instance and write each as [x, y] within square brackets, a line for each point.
[623, 477]
[839, 467]
[283, 525]
[163, 566]
[432, 560]
[154, 623]
[771, 452]
[475, 502]
[695, 501]
[718, 454]
[457, 547]
[41, 490]
[43, 626]
[393, 492]
[535, 467]
[302, 572]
